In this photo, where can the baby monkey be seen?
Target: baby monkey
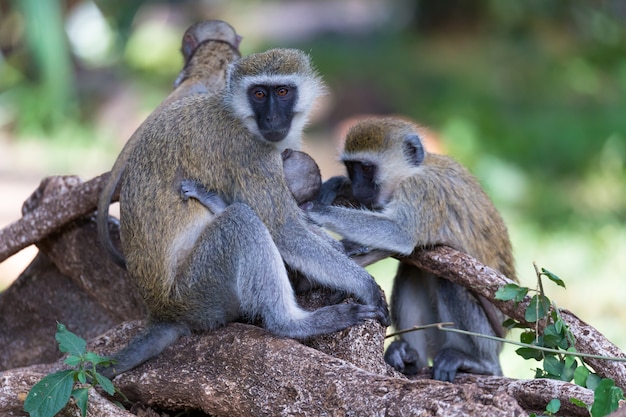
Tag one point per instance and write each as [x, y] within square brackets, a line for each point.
[411, 199]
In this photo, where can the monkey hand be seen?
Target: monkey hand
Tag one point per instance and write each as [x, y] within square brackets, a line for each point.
[402, 357]
[334, 188]
[192, 189]
[314, 207]
[380, 303]
[209, 199]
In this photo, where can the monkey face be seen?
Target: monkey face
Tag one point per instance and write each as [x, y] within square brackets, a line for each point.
[363, 181]
[273, 107]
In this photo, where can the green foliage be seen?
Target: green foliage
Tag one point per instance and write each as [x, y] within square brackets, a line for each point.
[551, 409]
[558, 363]
[52, 393]
[606, 397]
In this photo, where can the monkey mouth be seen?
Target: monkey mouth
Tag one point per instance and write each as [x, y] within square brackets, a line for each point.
[275, 135]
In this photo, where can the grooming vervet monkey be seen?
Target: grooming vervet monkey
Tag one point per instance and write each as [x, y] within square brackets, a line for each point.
[414, 199]
[208, 48]
[196, 270]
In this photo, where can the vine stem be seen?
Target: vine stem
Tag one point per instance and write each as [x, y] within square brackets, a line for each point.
[445, 326]
[539, 300]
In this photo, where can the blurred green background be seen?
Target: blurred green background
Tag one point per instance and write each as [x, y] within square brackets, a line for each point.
[530, 95]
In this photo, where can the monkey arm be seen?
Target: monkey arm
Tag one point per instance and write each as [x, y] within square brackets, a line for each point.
[334, 188]
[368, 228]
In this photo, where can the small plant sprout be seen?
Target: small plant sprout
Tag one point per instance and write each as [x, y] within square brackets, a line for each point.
[53, 392]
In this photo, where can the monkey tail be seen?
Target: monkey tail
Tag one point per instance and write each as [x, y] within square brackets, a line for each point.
[102, 218]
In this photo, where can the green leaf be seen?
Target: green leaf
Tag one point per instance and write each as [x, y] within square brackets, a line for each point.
[511, 292]
[578, 403]
[560, 326]
[558, 281]
[49, 396]
[553, 406]
[97, 359]
[105, 383]
[552, 341]
[529, 353]
[82, 377]
[580, 376]
[553, 365]
[568, 370]
[537, 309]
[593, 381]
[81, 396]
[570, 361]
[513, 324]
[69, 342]
[527, 337]
[605, 398]
[508, 292]
[72, 360]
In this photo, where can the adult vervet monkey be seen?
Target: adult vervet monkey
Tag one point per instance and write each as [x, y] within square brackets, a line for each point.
[198, 269]
[413, 199]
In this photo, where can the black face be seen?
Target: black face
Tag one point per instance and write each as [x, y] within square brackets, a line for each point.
[273, 109]
[363, 178]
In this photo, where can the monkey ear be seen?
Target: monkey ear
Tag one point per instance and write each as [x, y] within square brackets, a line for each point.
[189, 45]
[413, 149]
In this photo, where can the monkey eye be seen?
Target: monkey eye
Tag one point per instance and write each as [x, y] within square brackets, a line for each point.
[259, 94]
[282, 91]
[366, 168]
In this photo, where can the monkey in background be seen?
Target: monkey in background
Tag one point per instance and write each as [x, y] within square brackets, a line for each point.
[208, 47]
[411, 199]
[198, 269]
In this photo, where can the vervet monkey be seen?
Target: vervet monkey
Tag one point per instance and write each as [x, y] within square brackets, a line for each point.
[198, 270]
[208, 48]
[414, 199]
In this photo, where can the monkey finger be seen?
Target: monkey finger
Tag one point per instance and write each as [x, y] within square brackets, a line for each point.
[367, 312]
[402, 357]
[190, 189]
[446, 364]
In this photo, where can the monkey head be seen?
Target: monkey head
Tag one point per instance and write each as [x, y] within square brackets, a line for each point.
[378, 154]
[272, 92]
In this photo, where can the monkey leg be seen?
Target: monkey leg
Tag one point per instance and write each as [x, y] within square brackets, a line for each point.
[238, 255]
[461, 352]
[411, 305]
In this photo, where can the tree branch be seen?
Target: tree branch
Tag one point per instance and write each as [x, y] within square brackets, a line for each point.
[464, 270]
[71, 200]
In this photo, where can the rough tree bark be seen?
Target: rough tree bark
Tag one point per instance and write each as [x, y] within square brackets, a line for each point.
[72, 280]
[243, 370]
[57, 201]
